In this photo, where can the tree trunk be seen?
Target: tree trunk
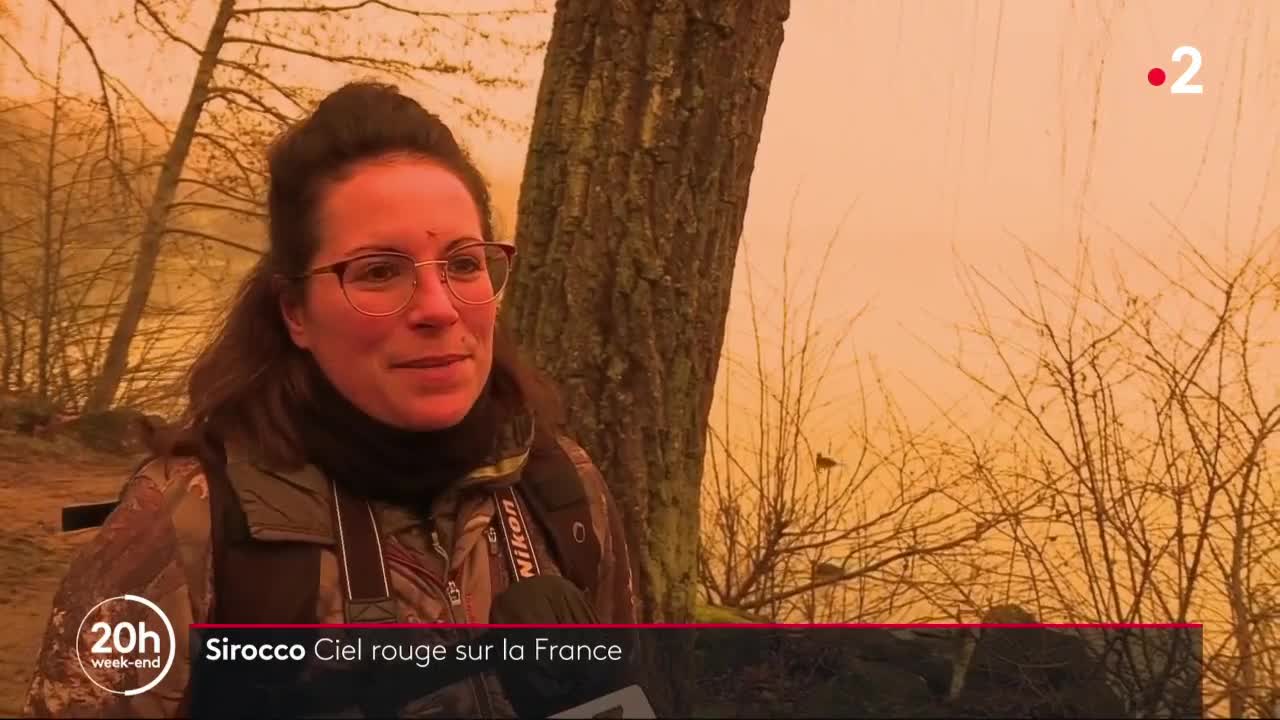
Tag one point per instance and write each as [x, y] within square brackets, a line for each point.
[1243, 685]
[7, 380]
[49, 268]
[644, 138]
[117, 357]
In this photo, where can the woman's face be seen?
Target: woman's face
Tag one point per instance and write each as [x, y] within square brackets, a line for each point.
[423, 367]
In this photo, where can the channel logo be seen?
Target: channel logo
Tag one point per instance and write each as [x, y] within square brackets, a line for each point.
[125, 645]
[1182, 85]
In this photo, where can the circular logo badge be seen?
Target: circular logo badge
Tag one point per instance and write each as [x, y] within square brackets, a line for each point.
[125, 645]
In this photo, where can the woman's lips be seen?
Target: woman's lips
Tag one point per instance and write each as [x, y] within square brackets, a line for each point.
[430, 361]
[434, 370]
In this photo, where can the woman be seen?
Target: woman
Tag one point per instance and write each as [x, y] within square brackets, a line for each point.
[360, 368]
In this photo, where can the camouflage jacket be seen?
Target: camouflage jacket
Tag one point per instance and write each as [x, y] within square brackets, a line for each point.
[156, 544]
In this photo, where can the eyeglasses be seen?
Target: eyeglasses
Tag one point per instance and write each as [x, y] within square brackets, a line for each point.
[383, 283]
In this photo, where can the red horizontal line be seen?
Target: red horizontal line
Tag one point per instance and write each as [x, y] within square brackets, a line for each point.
[690, 626]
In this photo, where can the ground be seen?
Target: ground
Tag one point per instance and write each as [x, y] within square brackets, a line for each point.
[37, 478]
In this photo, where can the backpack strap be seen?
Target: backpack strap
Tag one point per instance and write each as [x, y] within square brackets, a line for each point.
[240, 564]
[362, 563]
[555, 491]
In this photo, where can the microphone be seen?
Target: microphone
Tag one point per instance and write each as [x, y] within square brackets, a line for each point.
[629, 702]
[582, 689]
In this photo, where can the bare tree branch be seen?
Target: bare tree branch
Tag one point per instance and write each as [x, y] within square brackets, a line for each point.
[393, 7]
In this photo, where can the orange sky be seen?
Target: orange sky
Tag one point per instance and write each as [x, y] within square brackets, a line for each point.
[961, 129]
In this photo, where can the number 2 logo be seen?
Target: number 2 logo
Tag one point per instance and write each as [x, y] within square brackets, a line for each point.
[1182, 85]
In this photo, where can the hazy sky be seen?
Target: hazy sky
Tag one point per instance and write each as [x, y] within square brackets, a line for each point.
[960, 130]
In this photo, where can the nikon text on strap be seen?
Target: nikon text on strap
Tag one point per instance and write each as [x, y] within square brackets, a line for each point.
[515, 534]
[364, 569]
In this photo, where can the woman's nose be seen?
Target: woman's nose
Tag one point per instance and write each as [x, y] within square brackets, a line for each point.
[432, 300]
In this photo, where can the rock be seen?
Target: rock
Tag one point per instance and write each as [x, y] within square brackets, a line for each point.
[873, 672]
[799, 672]
[1158, 671]
[718, 615]
[1008, 615]
[1036, 672]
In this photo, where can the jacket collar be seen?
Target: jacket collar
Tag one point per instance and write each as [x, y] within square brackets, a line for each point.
[294, 505]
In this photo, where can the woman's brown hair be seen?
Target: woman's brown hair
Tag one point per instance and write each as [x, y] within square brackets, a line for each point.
[249, 383]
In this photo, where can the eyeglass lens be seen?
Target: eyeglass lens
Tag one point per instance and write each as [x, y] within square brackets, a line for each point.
[380, 284]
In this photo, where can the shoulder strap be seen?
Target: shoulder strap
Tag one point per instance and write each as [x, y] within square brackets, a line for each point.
[555, 492]
[361, 561]
[279, 582]
[241, 564]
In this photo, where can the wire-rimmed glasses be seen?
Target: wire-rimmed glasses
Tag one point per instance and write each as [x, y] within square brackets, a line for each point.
[383, 283]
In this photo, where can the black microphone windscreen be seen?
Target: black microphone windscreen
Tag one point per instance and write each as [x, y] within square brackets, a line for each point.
[542, 600]
[545, 681]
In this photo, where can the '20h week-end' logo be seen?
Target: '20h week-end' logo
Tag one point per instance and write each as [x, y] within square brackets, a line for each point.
[125, 645]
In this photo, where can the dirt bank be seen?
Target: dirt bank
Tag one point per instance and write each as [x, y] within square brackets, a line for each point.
[37, 478]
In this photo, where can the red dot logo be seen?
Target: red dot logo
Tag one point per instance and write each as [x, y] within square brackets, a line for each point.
[1156, 77]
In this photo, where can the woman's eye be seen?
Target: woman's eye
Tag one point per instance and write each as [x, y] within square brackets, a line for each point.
[376, 271]
[465, 265]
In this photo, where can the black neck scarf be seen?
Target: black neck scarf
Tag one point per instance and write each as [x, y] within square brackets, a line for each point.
[377, 461]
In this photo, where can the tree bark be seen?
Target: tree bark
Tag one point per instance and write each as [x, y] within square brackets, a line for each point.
[644, 138]
[116, 360]
[7, 378]
[48, 269]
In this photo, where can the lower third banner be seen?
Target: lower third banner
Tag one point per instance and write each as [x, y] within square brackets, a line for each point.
[741, 671]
